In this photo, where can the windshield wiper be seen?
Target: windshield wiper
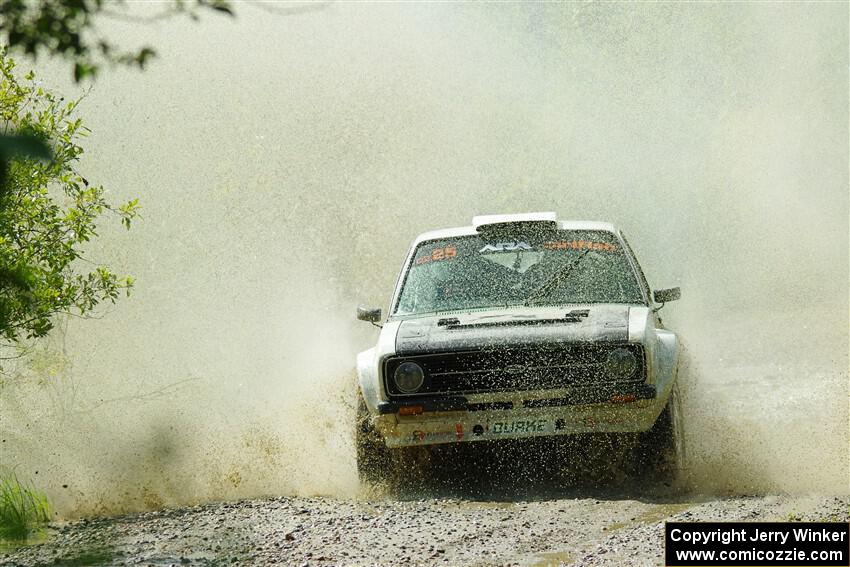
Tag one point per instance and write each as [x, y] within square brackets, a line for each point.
[556, 279]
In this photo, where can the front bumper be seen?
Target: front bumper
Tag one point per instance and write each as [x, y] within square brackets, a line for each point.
[429, 421]
[461, 403]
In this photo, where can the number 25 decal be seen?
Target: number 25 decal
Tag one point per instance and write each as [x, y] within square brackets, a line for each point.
[438, 254]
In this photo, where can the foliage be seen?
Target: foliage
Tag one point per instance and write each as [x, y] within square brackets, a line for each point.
[20, 146]
[66, 28]
[48, 211]
[23, 509]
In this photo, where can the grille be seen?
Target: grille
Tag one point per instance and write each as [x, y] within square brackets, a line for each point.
[516, 369]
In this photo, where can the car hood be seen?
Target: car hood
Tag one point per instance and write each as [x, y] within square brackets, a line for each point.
[520, 326]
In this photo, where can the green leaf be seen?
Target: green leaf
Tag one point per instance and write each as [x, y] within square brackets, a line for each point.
[83, 70]
[23, 146]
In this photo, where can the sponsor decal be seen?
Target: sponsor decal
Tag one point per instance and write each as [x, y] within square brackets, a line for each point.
[518, 426]
[419, 435]
[506, 246]
[437, 254]
[580, 245]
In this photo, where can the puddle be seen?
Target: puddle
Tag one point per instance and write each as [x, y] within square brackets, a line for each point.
[94, 556]
[481, 505]
[655, 514]
[552, 559]
[10, 545]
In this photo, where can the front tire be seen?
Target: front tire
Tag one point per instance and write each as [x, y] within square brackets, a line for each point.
[395, 469]
[661, 450]
[374, 464]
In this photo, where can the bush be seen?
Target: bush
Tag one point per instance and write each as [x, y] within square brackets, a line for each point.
[49, 213]
[23, 509]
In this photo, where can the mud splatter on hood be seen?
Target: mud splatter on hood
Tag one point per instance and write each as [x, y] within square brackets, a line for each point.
[520, 326]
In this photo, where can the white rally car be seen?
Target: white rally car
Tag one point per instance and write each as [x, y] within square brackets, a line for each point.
[518, 326]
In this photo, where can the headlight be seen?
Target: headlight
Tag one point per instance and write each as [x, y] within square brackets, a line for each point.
[409, 377]
[621, 362]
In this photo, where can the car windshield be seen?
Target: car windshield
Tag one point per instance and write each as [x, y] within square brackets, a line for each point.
[555, 267]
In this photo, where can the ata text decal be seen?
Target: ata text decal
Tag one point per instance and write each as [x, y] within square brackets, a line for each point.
[506, 247]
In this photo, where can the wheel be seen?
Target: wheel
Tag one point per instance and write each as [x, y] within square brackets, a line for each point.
[397, 468]
[677, 456]
[374, 463]
[661, 450]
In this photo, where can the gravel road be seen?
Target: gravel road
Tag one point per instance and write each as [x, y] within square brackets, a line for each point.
[578, 528]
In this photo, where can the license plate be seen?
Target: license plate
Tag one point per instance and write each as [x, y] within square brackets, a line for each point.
[519, 426]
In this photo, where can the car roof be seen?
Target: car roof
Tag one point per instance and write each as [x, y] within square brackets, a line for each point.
[471, 230]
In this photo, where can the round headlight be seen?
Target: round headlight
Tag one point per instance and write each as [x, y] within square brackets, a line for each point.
[409, 377]
[621, 362]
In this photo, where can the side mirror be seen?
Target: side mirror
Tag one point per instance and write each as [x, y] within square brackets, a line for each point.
[665, 295]
[368, 314]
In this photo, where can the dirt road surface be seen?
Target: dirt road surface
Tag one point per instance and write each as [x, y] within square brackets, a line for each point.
[581, 528]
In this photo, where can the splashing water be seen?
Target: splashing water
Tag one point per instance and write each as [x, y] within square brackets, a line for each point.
[284, 163]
